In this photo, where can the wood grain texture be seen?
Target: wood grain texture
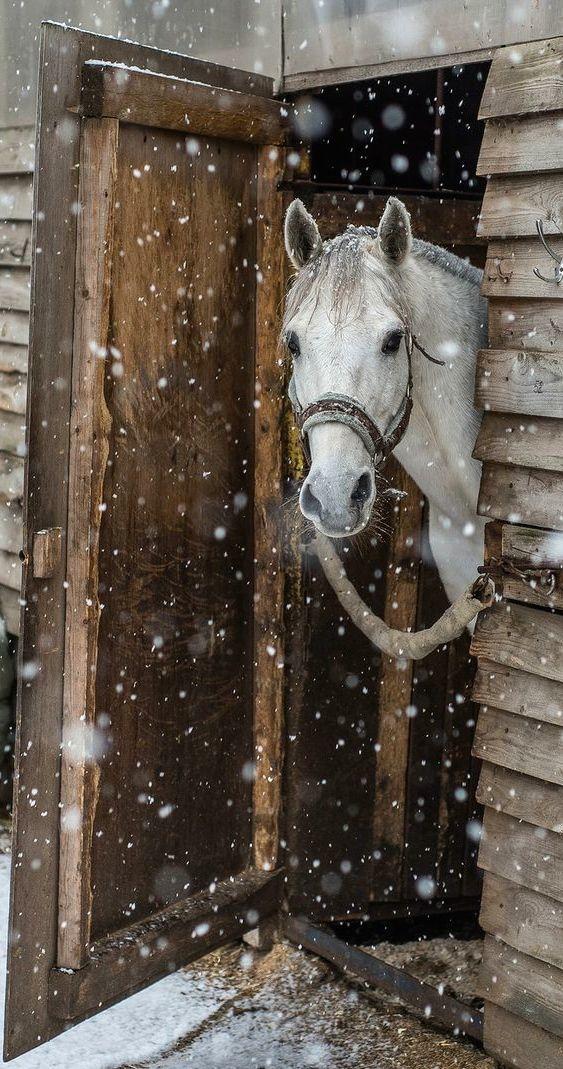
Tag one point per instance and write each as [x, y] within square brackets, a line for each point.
[535, 326]
[10, 570]
[17, 150]
[16, 194]
[518, 692]
[513, 203]
[529, 856]
[393, 729]
[524, 78]
[509, 269]
[11, 607]
[14, 289]
[521, 495]
[523, 985]
[527, 383]
[13, 390]
[522, 144]
[530, 746]
[11, 477]
[519, 1044]
[532, 442]
[15, 244]
[14, 328]
[521, 796]
[523, 919]
[447, 222]
[527, 548]
[47, 551]
[269, 579]
[13, 357]
[151, 100]
[521, 637]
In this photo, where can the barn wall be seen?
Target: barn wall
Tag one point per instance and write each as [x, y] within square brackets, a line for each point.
[332, 42]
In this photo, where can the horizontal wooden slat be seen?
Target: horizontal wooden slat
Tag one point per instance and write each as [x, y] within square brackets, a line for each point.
[518, 692]
[525, 920]
[12, 433]
[517, 1043]
[512, 741]
[13, 357]
[448, 222]
[524, 78]
[509, 269]
[521, 495]
[13, 388]
[10, 570]
[521, 144]
[536, 326]
[10, 609]
[17, 150]
[531, 441]
[529, 856]
[14, 289]
[176, 104]
[14, 328]
[509, 380]
[16, 194]
[521, 637]
[15, 244]
[521, 796]
[527, 547]
[512, 205]
[11, 477]
[522, 985]
[10, 526]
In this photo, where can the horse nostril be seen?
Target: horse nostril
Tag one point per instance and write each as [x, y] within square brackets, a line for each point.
[362, 490]
[310, 505]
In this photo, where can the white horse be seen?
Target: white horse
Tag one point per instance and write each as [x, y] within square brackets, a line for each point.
[366, 309]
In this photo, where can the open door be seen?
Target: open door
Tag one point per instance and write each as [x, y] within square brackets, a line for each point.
[148, 779]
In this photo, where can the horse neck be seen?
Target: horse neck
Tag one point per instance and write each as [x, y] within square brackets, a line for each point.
[448, 317]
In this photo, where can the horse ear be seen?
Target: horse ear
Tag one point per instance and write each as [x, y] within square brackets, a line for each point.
[302, 237]
[394, 231]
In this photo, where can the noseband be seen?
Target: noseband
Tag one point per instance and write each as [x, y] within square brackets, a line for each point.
[341, 408]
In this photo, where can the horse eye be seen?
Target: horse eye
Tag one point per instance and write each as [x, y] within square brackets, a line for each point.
[392, 342]
[292, 342]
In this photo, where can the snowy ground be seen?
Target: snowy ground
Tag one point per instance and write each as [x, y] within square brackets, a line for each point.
[285, 1010]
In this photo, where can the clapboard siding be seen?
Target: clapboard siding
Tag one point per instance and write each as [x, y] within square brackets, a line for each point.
[516, 1042]
[512, 204]
[17, 150]
[529, 856]
[15, 197]
[531, 442]
[514, 380]
[517, 742]
[509, 269]
[521, 796]
[525, 920]
[15, 244]
[521, 637]
[523, 143]
[518, 692]
[523, 985]
[14, 328]
[524, 78]
[536, 326]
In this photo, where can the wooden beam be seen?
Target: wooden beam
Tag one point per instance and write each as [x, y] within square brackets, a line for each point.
[149, 99]
[529, 856]
[529, 988]
[521, 495]
[518, 692]
[268, 499]
[523, 919]
[517, 742]
[521, 796]
[514, 380]
[521, 144]
[524, 78]
[517, 1043]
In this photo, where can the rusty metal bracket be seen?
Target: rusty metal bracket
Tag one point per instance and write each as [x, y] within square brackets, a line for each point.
[499, 566]
[358, 964]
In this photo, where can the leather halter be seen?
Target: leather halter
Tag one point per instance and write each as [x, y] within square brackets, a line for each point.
[341, 408]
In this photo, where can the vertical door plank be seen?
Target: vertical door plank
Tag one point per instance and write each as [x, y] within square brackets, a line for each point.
[87, 462]
[268, 533]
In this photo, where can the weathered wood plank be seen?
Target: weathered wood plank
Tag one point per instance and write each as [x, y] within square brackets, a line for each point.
[512, 204]
[11, 537]
[527, 383]
[525, 548]
[521, 495]
[10, 609]
[14, 289]
[13, 357]
[15, 244]
[522, 985]
[529, 746]
[518, 692]
[14, 328]
[12, 433]
[521, 796]
[448, 222]
[11, 477]
[10, 570]
[13, 390]
[509, 269]
[393, 729]
[517, 1043]
[47, 551]
[521, 637]
[532, 442]
[523, 919]
[524, 78]
[529, 856]
[175, 104]
[269, 578]
[521, 144]
[522, 324]
[17, 150]
[16, 192]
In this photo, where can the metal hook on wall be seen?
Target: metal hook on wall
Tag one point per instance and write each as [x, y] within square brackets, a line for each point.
[558, 270]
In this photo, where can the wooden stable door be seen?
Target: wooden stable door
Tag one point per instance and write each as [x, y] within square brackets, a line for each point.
[148, 754]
